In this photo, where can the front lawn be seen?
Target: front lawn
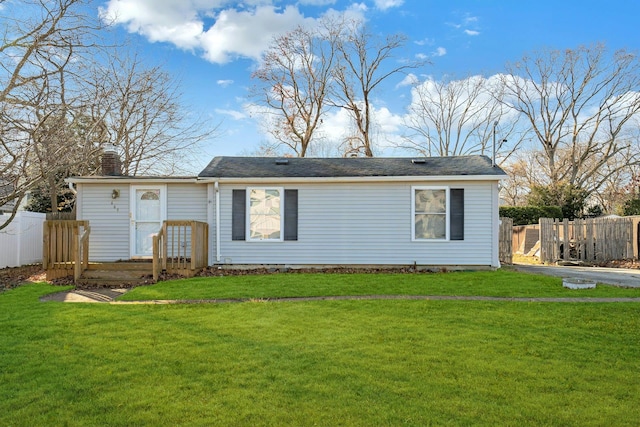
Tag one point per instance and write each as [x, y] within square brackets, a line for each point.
[327, 363]
[501, 283]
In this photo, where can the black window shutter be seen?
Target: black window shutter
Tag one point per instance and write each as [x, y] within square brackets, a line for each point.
[238, 215]
[290, 214]
[456, 213]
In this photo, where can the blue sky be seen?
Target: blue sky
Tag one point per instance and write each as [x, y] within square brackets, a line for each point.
[212, 45]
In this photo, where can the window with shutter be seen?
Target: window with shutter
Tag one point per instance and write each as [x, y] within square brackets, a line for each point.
[456, 214]
[238, 215]
[437, 213]
[264, 214]
[290, 214]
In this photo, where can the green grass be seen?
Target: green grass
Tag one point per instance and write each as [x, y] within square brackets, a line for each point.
[321, 363]
[501, 283]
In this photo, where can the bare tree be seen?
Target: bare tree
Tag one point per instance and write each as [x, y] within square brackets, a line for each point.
[361, 68]
[523, 172]
[141, 114]
[578, 104]
[60, 100]
[295, 75]
[42, 44]
[459, 117]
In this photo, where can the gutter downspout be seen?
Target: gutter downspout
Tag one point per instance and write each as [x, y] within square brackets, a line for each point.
[216, 189]
[73, 190]
[495, 235]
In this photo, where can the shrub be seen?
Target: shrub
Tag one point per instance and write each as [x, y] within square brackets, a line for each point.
[570, 198]
[632, 207]
[524, 215]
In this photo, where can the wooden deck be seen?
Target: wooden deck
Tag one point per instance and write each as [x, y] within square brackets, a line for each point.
[116, 274]
[180, 248]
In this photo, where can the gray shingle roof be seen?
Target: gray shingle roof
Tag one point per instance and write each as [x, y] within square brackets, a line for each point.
[271, 167]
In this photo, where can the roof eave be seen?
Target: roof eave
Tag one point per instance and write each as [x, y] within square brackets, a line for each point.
[353, 179]
[130, 180]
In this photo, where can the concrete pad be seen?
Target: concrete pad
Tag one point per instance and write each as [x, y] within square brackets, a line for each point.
[626, 277]
[79, 295]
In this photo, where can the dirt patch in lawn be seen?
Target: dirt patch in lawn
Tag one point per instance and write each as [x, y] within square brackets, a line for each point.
[626, 263]
[12, 277]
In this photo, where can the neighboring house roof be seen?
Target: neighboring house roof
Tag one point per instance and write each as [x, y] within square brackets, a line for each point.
[296, 167]
[6, 189]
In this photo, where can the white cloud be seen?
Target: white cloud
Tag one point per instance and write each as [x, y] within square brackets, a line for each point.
[470, 19]
[440, 51]
[338, 125]
[247, 33]
[409, 80]
[421, 56]
[388, 4]
[236, 115]
[317, 2]
[174, 21]
[425, 42]
[467, 23]
[224, 83]
[387, 122]
[215, 29]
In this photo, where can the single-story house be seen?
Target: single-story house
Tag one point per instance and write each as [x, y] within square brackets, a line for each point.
[440, 211]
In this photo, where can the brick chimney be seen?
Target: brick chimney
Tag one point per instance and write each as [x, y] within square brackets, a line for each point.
[111, 165]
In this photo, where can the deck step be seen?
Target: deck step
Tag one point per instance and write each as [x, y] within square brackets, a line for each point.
[112, 283]
[126, 274]
[116, 274]
[146, 267]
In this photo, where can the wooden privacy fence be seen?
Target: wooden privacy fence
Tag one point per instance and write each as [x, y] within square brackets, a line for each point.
[594, 239]
[181, 247]
[505, 241]
[65, 249]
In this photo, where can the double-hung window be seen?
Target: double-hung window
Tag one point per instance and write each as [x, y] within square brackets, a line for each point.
[264, 214]
[437, 213]
[264, 218]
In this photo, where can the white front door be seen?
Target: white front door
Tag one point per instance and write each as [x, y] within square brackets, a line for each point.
[148, 210]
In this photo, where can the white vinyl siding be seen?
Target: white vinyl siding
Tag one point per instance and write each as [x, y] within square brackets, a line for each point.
[187, 201]
[364, 224]
[338, 223]
[109, 218]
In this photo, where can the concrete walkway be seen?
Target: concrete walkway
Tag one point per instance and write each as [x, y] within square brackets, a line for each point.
[626, 277]
[610, 276]
[80, 295]
[109, 295]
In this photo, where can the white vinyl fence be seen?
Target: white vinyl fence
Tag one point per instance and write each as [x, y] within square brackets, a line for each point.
[21, 241]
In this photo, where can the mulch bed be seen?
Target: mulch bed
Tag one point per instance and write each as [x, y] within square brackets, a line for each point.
[12, 277]
[219, 272]
[628, 263]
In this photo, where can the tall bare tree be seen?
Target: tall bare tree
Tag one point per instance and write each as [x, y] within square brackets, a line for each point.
[459, 117]
[363, 65]
[579, 104]
[140, 112]
[294, 76]
[42, 45]
[61, 100]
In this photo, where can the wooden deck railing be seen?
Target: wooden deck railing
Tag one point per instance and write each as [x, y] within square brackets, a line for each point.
[65, 250]
[181, 247]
